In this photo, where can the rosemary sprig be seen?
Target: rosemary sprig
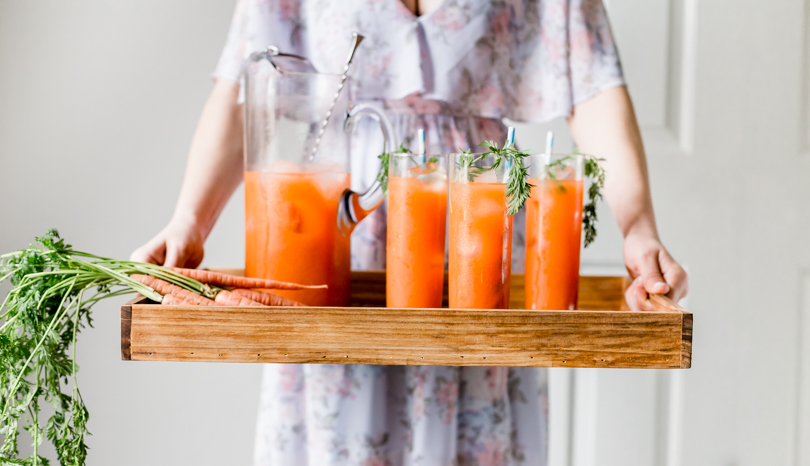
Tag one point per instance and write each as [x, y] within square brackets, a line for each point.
[518, 188]
[385, 162]
[465, 166]
[596, 173]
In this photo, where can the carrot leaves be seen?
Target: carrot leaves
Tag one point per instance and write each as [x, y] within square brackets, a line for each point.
[53, 289]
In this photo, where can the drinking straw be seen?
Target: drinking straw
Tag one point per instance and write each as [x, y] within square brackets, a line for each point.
[420, 136]
[510, 140]
[549, 146]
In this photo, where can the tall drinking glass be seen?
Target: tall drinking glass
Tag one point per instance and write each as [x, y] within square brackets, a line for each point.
[554, 231]
[480, 234]
[417, 219]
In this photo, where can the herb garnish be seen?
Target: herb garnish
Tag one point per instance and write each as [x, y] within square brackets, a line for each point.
[596, 174]
[518, 189]
[465, 165]
[385, 161]
[54, 288]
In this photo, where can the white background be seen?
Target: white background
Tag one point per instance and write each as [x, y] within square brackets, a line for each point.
[98, 102]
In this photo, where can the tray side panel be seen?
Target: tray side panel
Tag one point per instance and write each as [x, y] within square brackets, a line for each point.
[126, 332]
[408, 336]
[686, 348]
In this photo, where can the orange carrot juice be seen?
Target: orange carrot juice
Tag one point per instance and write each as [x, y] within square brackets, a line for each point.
[417, 218]
[553, 235]
[480, 246]
[291, 232]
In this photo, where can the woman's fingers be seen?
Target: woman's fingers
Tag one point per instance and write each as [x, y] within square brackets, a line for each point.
[650, 272]
[174, 255]
[183, 253]
[178, 245]
[653, 270]
[636, 296]
[153, 252]
[675, 276]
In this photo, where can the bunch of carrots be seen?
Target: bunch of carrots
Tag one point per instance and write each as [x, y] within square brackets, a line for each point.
[242, 291]
[53, 289]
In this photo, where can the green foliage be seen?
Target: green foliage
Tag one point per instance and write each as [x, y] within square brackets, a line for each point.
[385, 161]
[54, 288]
[466, 165]
[518, 188]
[596, 174]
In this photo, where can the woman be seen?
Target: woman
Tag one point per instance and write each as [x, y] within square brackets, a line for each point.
[454, 68]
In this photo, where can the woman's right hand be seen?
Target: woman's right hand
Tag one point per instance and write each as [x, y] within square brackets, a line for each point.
[213, 172]
[180, 244]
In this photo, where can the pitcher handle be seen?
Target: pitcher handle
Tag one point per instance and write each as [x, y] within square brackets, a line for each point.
[353, 206]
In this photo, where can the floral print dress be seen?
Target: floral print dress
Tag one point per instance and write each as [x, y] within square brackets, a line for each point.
[455, 72]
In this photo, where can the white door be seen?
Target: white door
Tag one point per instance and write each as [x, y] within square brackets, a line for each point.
[722, 92]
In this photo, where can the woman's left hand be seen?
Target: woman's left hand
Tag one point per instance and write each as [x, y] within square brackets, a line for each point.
[653, 271]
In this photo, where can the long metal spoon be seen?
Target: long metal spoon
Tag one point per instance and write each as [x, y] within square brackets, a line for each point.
[356, 39]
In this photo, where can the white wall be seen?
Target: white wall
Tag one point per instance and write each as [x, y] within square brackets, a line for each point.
[98, 102]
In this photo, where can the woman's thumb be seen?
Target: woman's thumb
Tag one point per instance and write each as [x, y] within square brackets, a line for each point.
[651, 276]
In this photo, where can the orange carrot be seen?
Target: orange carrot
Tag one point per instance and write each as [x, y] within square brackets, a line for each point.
[172, 300]
[222, 279]
[166, 288]
[226, 298]
[267, 299]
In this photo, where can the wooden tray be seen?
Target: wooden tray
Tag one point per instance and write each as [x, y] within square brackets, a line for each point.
[601, 334]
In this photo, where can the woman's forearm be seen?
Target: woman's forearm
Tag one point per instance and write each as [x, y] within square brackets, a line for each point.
[214, 168]
[606, 127]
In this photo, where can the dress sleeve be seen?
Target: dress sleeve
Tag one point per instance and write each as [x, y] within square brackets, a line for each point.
[234, 52]
[594, 63]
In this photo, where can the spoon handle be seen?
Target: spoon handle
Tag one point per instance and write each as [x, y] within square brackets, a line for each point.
[356, 39]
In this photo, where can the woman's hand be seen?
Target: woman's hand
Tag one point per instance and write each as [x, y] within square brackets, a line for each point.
[180, 244]
[653, 271]
[213, 172]
[606, 126]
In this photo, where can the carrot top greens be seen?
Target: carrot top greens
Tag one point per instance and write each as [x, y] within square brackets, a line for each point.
[53, 289]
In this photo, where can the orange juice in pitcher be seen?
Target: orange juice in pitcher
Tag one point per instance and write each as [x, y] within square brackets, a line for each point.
[299, 210]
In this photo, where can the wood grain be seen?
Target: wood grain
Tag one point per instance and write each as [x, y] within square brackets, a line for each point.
[375, 335]
[126, 328]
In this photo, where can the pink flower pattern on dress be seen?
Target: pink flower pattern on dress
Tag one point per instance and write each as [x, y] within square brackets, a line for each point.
[492, 455]
[447, 399]
[449, 18]
[455, 72]
[526, 60]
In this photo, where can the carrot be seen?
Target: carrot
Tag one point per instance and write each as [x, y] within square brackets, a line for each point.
[172, 300]
[268, 299]
[222, 279]
[226, 298]
[166, 288]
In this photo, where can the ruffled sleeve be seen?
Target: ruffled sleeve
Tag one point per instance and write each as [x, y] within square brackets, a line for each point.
[234, 53]
[527, 60]
[564, 55]
[594, 59]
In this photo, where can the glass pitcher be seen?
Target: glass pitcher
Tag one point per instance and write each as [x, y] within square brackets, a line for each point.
[297, 179]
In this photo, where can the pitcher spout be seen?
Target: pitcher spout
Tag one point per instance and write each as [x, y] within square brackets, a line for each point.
[354, 207]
